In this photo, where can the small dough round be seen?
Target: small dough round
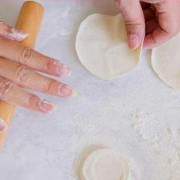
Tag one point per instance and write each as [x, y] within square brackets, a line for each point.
[166, 62]
[102, 47]
[104, 164]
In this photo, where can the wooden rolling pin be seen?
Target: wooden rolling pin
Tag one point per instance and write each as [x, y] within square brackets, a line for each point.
[29, 20]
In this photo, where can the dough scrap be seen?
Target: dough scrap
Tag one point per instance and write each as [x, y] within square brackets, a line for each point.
[102, 47]
[166, 62]
[104, 164]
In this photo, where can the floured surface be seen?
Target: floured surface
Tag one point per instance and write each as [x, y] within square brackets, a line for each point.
[136, 114]
[166, 62]
[102, 47]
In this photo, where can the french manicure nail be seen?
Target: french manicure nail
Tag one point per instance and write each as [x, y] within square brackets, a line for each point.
[46, 107]
[134, 41]
[3, 126]
[65, 91]
[62, 70]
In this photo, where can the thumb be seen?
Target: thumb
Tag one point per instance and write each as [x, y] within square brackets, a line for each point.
[134, 19]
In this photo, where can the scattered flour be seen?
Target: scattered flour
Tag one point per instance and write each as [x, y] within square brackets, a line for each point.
[164, 140]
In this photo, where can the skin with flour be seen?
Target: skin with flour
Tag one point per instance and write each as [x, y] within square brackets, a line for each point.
[19, 66]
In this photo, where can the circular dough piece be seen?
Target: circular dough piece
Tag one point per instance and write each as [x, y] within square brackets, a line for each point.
[166, 62]
[104, 164]
[102, 47]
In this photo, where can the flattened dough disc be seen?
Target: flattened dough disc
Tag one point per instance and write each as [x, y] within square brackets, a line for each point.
[104, 164]
[102, 47]
[166, 62]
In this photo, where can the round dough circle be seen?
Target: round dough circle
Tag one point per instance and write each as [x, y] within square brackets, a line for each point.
[104, 164]
[166, 62]
[102, 47]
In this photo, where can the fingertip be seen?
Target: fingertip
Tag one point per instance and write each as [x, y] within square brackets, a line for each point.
[46, 106]
[74, 93]
[134, 41]
[63, 71]
[56, 68]
[65, 91]
[149, 42]
[3, 126]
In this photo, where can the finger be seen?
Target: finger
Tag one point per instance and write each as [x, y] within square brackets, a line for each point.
[17, 52]
[151, 1]
[149, 14]
[9, 32]
[145, 5]
[3, 125]
[151, 26]
[11, 93]
[168, 28]
[28, 78]
[134, 20]
[156, 38]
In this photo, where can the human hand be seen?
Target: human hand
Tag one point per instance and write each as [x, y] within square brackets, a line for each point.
[18, 70]
[156, 20]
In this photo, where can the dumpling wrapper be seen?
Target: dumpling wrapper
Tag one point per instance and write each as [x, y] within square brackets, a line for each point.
[102, 47]
[104, 164]
[166, 62]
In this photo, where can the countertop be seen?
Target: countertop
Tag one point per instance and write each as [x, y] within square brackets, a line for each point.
[136, 114]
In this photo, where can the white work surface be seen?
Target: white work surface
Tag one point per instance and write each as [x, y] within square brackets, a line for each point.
[136, 114]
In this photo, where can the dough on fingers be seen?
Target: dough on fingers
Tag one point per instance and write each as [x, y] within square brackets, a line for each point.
[102, 46]
[166, 62]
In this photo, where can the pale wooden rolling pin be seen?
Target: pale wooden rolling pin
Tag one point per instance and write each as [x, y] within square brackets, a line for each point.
[29, 20]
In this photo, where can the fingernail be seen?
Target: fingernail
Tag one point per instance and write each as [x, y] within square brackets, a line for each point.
[3, 126]
[65, 91]
[61, 69]
[46, 107]
[134, 41]
[17, 35]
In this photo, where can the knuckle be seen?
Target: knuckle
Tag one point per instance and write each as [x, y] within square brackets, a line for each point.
[23, 73]
[5, 88]
[50, 62]
[134, 26]
[26, 55]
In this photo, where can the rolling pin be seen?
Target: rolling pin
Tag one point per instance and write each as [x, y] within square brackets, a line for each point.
[29, 21]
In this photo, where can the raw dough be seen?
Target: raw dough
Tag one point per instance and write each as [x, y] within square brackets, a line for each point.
[104, 164]
[166, 62]
[102, 47]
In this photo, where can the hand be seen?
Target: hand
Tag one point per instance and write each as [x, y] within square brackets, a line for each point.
[18, 70]
[156, 20]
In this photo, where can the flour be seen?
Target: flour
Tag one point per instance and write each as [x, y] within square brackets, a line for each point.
[137, 114]
[143, 124]
[164, 141]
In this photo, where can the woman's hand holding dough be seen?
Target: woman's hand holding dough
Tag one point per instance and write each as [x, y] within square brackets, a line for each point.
[157, 20]
[18, 70]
